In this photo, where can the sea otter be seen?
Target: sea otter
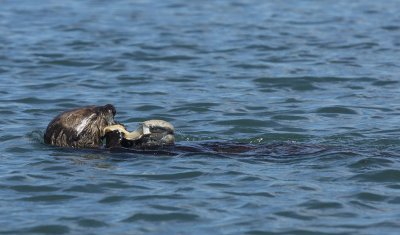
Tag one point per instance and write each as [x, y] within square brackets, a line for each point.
[95, 127]
[87, 127]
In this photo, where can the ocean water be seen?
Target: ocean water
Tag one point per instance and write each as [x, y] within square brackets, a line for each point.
[316, 83]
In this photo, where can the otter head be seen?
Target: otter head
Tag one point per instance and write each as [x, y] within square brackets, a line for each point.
[80, 128]
[150, 134]
[105, 116]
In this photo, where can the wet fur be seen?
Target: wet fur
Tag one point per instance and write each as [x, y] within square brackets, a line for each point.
[80, 128]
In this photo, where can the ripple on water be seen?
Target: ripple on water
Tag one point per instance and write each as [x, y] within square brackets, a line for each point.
[31, 188]
[385, 83]
[321, 205]
[69, 62]
[17, 149]
[194, 107]
[288, 117]
[295, 215]
[385, 175]
[91, 223]
[7, 137]
[394, 200]
[293, 83]
[34, 100]
[173, 176]
[145, 108]
[219, 185]
[162, 217]
[49, 229]
[158, 196]
[47, 85]
[247, 194]
[166, 208]
[87, 188]
[247, 123]
[368, 196]
[336, 110]
[49, 198]
[371, 163]
[146, 56]
[113, 199]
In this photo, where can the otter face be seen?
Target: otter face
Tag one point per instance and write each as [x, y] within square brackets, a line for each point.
[108, 112]
[150, 134]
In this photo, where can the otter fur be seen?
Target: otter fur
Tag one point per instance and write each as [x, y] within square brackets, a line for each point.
[81, 127]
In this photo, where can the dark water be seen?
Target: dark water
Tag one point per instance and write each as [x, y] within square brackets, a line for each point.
[316, 81]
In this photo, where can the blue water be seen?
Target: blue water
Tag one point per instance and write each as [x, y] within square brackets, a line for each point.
[316, 81]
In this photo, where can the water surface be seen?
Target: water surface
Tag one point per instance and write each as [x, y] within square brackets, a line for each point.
[317, 82]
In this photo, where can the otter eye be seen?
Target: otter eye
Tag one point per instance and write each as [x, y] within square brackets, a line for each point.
[110, 109]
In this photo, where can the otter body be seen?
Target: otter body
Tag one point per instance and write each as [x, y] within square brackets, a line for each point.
[87, 127]
[80, 128]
